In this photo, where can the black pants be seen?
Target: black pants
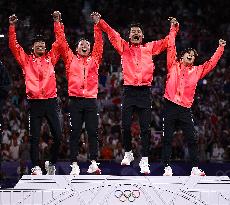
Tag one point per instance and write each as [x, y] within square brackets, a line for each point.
[83, 110]
[47, 108]
[176, 115]
[136, 99]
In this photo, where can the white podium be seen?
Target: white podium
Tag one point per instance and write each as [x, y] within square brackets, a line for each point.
[117, 190]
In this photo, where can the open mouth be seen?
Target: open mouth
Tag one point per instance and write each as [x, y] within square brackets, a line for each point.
[84, 50]
[189, 58]
[136, 38]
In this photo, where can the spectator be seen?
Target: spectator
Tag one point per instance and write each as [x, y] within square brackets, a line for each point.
[24, 148]
[14, 150]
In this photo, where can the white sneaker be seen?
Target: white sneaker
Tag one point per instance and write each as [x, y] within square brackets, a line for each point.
[168, 171]
[47, 164]
[36, 171]
[127, 158]
[75, 169]
[144, 165]
[93, 168]
[50, 168]
[197, 172]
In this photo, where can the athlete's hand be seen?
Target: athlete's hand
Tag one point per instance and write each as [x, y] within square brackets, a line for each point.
[222, 42]
[96, 17]
[173, 21]
[57, 16]
[13, 19]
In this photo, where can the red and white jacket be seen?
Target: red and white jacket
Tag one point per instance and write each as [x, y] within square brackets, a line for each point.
[182, 80]
[38, 72]
[82, 72]
[136, 60]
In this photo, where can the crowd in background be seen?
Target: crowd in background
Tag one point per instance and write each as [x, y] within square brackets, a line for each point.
[201, 26]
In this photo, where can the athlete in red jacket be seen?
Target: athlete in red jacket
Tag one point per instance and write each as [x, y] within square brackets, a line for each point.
[182, 79]
[82, 75]
[138, 69]
[38, 71]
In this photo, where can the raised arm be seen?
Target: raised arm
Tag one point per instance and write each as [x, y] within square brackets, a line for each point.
[55, 51]
[14, 46]
[171, 48]
[210, 64]
[114, 37]
[98, 44]
[160, 45]
[65, 50]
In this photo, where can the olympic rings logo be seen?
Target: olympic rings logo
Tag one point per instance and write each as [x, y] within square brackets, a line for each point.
[127, 195]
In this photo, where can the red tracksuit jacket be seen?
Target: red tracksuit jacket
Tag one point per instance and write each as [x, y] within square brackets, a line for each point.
[38, 72]
[136, 61]
[82, 72]
[182, 81]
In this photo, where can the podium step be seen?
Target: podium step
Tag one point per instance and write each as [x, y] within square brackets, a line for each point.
[115, 190]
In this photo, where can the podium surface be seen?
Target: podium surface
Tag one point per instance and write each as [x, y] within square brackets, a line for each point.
[115, 190]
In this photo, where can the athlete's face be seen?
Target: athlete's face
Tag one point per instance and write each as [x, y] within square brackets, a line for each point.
[188, 58]
[136, 35]
[39, 48]
[83, 48]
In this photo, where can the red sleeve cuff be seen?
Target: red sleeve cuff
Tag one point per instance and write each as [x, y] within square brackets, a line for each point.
[12, 28]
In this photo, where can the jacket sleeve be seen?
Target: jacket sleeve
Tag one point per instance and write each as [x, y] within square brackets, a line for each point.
[158, 46]
[55, 51]
[98, 44]
[65, 50]
[210, 64]
[171, 48]
[114, 37]
[16, 49]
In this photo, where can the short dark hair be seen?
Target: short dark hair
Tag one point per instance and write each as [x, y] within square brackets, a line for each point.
[38, 38]
[136, 25]
[82, 39]
[187, 50]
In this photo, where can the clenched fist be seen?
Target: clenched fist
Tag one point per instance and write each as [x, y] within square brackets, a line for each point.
[173, 20]
[13, 19]
[222, 42]
[96, 17]
[57, 16]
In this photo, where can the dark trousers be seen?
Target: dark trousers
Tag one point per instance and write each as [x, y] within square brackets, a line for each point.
[38, 109]
[83, 110]
[178, 116]
[136, 99]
